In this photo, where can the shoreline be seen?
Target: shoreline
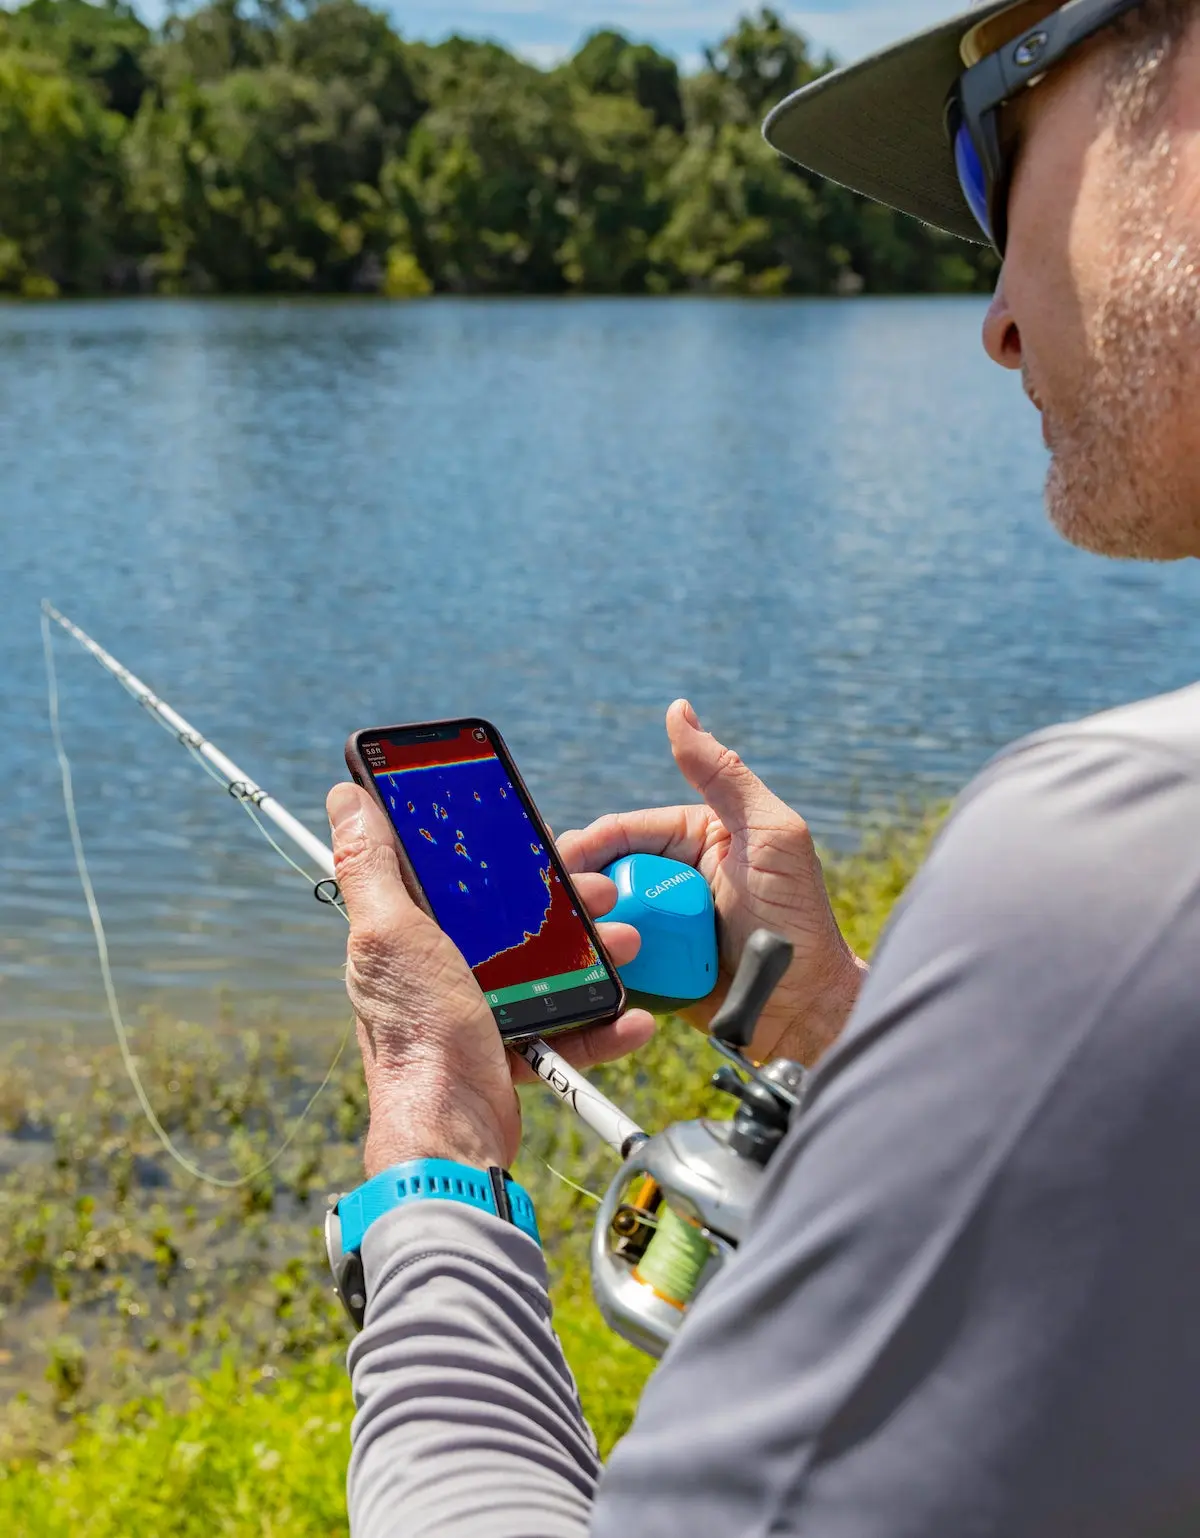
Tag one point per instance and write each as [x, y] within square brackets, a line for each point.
[234, 995]
[126, 1277]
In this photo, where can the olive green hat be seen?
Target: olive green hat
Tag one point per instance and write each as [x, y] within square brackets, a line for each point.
[878, 126]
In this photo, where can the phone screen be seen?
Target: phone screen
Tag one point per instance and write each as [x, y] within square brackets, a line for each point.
[495, 887]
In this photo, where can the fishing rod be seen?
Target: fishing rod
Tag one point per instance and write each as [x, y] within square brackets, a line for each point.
[681, 1202]
[595, 1110]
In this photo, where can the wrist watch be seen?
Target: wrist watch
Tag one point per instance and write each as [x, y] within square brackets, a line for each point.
[492, 1190]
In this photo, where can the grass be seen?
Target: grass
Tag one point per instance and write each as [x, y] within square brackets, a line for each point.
[248, 1454]
[241, 1456]
[171, 1355]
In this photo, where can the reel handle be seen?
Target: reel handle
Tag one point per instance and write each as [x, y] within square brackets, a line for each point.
[765, 959]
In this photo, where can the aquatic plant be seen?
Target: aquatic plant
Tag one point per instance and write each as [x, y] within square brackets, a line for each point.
[166, 1348]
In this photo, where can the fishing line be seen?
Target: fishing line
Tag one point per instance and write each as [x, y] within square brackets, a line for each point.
[246, 801]
[240, 792]
[558, 1174]
[224, 1183]
[571, 1087]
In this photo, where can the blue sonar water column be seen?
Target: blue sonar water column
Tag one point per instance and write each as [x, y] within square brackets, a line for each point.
[671, 907]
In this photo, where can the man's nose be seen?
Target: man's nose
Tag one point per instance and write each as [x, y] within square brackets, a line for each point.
[1001, 334]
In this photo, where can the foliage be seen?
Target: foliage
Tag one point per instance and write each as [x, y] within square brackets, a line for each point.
[105, 45]
[609, 64]
[248, 1453]
[865, 884]
[303, 145]
[59, 174]
[176, 1351]
[760, 63]
[736, 225]
[243, 1456]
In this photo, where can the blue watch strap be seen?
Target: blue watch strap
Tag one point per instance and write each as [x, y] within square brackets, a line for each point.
[433, 1179]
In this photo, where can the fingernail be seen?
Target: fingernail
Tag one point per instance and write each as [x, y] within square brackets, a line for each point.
[690, 716]
[344, 808]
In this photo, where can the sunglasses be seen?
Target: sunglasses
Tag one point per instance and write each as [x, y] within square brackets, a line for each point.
[1009, 65]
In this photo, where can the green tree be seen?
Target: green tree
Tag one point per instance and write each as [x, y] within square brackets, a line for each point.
[876, 250]
[608, 64]
[105, 44]
[218, 39]
[760, 63]
[258, 181]
[614, 196]
[59, 179]
[477, 192]
[250, 145]
[740, 221]
[345, 40]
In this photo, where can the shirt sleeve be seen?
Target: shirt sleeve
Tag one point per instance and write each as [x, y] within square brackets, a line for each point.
[468, 1422]
[966, 1305]
[967, 1302]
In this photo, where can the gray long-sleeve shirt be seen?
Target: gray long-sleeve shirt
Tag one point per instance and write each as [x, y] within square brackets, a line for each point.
[970, 1302]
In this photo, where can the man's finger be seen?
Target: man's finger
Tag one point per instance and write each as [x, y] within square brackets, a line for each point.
[594, 1044]
[364, 857]
[621, 941]
[735, 793]
[674, 831]
[597, 893]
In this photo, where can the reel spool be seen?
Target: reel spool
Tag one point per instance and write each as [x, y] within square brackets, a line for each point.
[679, 1205]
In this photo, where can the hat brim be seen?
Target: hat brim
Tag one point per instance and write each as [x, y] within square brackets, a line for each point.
[878, 126]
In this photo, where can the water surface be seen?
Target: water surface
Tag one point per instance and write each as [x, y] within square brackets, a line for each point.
[821, 521]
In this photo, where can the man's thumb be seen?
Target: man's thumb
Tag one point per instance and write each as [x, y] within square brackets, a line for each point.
[735, 793]
[364, 856]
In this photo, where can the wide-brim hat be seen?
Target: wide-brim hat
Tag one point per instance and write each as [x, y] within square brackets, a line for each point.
[878, 126]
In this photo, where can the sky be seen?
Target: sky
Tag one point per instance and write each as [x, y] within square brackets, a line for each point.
[546, 30]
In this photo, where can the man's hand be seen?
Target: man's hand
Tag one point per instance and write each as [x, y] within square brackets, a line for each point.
[439, 1081]
[758, 857]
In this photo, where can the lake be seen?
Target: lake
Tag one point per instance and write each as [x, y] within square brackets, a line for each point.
[821, 521]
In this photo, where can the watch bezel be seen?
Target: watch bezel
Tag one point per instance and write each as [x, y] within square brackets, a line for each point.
[349, 1279]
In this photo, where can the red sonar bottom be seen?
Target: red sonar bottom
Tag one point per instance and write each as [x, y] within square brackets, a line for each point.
[560, 945]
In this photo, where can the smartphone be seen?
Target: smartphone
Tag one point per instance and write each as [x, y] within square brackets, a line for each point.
[478, 858]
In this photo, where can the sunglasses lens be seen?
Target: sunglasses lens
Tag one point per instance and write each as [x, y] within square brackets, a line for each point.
[972, 179]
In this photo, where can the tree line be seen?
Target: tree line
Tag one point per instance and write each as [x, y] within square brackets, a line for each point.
[252, 146]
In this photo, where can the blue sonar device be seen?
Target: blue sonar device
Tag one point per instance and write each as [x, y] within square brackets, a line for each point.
[671, 907]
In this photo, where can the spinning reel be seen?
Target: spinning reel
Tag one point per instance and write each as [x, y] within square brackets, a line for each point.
[680, 1203]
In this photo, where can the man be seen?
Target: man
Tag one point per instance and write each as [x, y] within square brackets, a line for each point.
[968, 1302]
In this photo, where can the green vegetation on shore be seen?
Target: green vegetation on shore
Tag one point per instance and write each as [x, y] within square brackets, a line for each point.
[171, 1355]
[293, 146]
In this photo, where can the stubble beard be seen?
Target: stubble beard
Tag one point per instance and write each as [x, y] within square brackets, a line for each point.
[1123, 479]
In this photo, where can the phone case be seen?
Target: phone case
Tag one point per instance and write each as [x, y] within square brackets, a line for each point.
[362, 775]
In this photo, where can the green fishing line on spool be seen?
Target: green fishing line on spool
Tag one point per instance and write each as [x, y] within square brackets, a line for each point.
[674, 1258]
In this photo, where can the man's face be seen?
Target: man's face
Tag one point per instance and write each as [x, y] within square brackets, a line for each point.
[1099, 301]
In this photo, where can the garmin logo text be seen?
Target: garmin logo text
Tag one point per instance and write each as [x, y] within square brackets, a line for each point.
[664, 886]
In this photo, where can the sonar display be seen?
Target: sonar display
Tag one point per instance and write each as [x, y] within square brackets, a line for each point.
[479, 857]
